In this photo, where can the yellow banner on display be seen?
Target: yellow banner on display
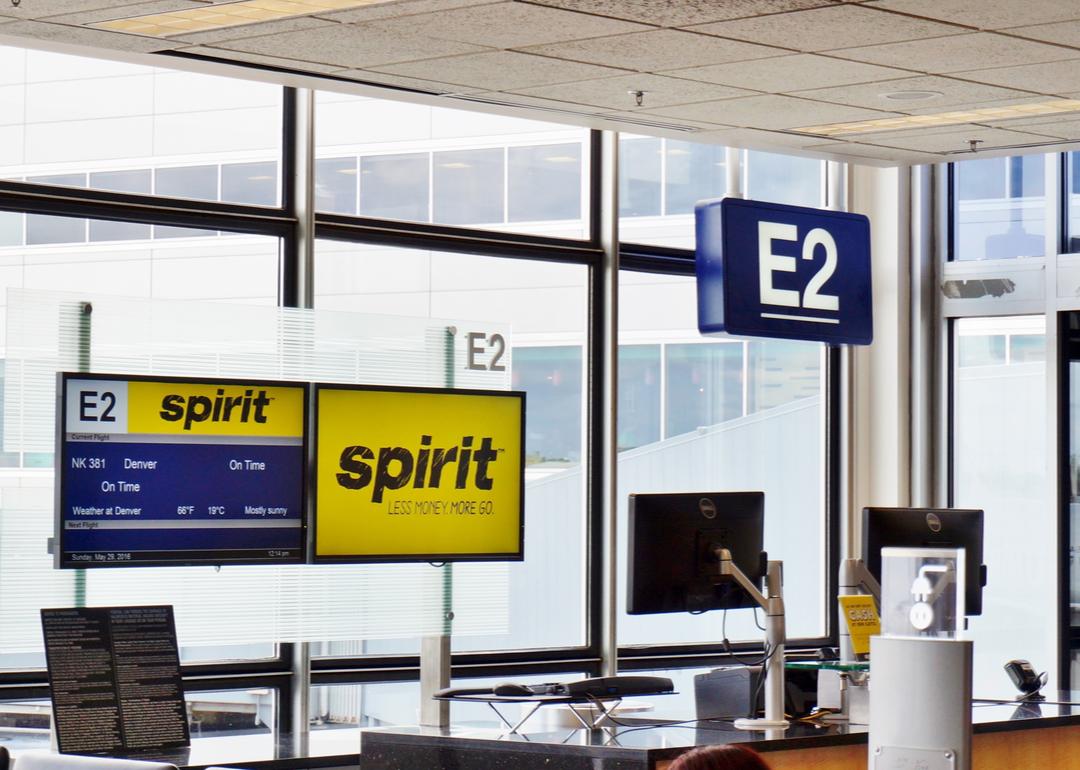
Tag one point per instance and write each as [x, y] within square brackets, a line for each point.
[418, 474]
[861, 615]
[215, 409]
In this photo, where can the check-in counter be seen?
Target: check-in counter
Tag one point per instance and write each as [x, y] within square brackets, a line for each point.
[1006, 735]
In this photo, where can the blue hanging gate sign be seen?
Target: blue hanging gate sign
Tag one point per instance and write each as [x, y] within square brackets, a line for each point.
[790, 272]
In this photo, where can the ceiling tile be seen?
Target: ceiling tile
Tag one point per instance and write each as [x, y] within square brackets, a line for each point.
[770, 112]
[957, 141]
[822, 29]
[954, 93]
[509, 25]
[988, 14]
[858, 150]
[1063, 33]
[957, 53]
[350, 45]
[123, 11]
[62, 33]
[254, 58]
[403, 8]
[1061, 126]
[499, 71]
[210, 37]
[797, 72]
[613, 93]
[1052, 78]
[39, 9]
[659, 49]
[669, 13]
[1025, 99]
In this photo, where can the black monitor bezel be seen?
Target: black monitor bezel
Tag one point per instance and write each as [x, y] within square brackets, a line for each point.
[189, 558]
[910, 526]
[315, 557]
[644, 549]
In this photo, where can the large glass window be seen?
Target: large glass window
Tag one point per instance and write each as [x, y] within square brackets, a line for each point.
[1000, 466]
[1000, 208]
[784, 179]
[692, 172]
[545, 358]
[662, 180]
[432, 164]
[694, 413]
[396, 187]
[639, 395]
[640, 177]
[335, 185]
[469, 187]
[704, 385]
[44, 229]
[84, 115]
[1072, 201]
[239, 268]
[135, 181]
[544, 183]
[711, 441]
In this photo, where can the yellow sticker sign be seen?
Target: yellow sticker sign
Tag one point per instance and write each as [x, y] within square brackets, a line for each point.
[862, 619]
[215, 409]
[418, 474]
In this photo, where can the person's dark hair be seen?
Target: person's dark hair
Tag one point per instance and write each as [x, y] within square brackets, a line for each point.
[731, 757]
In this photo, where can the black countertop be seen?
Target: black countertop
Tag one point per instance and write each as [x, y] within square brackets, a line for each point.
[636, 743]
[639, 743]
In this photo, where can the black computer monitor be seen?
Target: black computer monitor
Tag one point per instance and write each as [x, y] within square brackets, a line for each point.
[673, 537]
[928, 528]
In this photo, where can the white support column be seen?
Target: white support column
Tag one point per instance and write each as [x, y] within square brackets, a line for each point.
[882, 386]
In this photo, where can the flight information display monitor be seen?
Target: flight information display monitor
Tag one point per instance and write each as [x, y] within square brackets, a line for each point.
[156, 471]
[418, 474]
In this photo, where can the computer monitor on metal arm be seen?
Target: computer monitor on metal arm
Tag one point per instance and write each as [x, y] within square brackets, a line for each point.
[928, 528]
[699, 551]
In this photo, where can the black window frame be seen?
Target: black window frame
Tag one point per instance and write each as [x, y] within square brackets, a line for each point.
[280, 222]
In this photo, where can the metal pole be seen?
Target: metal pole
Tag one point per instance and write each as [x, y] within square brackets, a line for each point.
[836, 200]
[923, 335]
[304, 196]
[435, 648]
[85, 342]
[303, 208]
[609, 277]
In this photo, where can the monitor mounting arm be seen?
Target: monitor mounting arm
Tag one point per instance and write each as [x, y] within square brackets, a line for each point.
[773, 604]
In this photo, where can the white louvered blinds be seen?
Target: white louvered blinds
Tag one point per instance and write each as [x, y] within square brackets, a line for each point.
[49, 332]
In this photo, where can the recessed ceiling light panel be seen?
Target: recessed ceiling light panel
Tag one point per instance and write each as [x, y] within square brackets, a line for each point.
[1010, 112]
[224, 15]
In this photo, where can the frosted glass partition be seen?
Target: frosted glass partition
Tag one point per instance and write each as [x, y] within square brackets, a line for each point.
[49, 332]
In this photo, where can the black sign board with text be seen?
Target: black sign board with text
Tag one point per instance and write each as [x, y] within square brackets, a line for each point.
[114, 677]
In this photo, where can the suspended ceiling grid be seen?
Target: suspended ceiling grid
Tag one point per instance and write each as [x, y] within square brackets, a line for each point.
[748, 73]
